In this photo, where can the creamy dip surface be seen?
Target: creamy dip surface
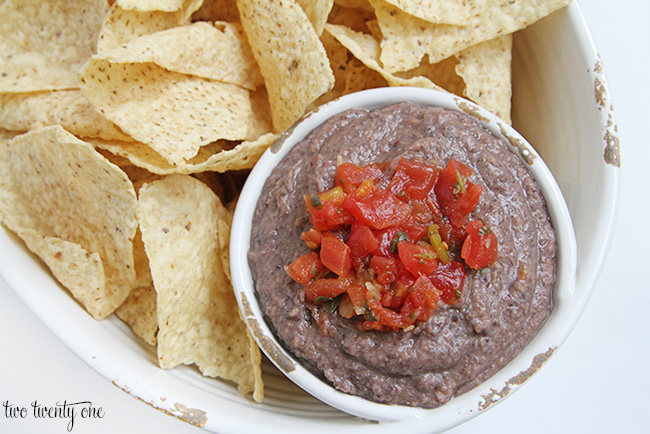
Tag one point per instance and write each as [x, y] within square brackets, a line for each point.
[461, 345]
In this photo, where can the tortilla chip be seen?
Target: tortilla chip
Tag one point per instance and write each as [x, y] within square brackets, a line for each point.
[295, 72]
[485, 69]
[317, 12]
[217, 157]
[442, 12]
[355, 17]
[443, 73]
[350, 73]
[77, 269]
[44, 43]
[218, 52]
[140, 313]
[260, 121]
[198, 318]
[68, 108]
[139, 309]
[355, 4]
[224, 245]
[122, 26]
[173, 113]
[214, 181]
[75, 210]
[217, 10]
[374, 30]
[151, 5]
[366, 48]
[407, 39]
[6, 135]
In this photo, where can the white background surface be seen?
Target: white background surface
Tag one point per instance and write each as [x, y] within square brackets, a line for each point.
[598, 382]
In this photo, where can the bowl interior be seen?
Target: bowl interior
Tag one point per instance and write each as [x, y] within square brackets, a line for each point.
[369, 100]
[561, 105]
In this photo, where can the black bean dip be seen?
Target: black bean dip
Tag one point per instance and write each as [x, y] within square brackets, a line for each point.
[502, 307]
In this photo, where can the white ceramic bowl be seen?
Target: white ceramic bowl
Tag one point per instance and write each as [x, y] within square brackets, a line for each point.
[540, 349]
[556, 71]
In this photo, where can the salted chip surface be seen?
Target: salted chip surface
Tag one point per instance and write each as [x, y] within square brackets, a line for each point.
[215, 157]
[139, 309]
[349, 72]
[443, 12]
[44, 43]
[355, 15]
[443, 73]
[140, 313]
[6, 135]
[217, 10]
[367, 49]
[291, 57]
[407, 39]
[317, 11]
[151, 5]
[485, 69]
[198, 318]
[122, 25]
[68, 108]
[75, 210]
[216, 51]
[173, 113]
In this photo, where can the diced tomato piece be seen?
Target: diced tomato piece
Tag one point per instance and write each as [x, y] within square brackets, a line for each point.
[335, 255]
[386, 268]
[456, 195]
[329, 288]
[384, 317]
[401, 290]
[311, 238]
[422, 301]
[453, 236]
[326, 210]
[412, 180]
[433, 207]
[306, 268]
[359, 295]
[387, 297]
[362, 241]
[449, 279]
[480, 248]
[417, 224]
[417, 259]
[379, 209]
[350, 176]
[385, 238]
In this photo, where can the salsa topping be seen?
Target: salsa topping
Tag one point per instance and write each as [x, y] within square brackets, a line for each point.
[386, 249]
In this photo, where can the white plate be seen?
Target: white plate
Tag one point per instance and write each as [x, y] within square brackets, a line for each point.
[555, 108]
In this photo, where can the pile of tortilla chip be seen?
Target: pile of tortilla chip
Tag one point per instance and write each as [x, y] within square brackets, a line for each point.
[127, 128]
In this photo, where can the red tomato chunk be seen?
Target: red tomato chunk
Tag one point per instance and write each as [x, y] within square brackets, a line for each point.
[480, 247]
[389, 256]
[378, 209]
[412, 180]
[335, 255]
[306, 268]
[456, 195]
[350, 176]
